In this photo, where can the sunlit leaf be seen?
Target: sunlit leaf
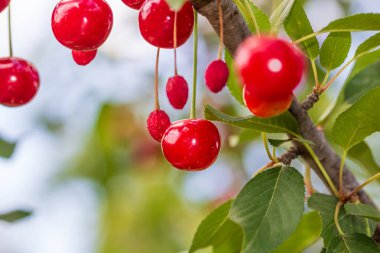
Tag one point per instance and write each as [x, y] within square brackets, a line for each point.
[281, 13]
[15, 216]
[354, 23]
[175, 4]
[369, 44]
[335, 50]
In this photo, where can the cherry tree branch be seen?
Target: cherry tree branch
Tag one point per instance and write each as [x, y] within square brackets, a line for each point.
[235, 31]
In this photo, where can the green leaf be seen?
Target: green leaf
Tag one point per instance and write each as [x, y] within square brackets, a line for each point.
[355, 23]
[297, 25]
[277, 143]
[363, 210]
[14, 216]
[368, 45]
[362, 155]
[363, 62]
[284, 123]
[325, 205]
[218, 231]
[6, 148]
[306, 234]
[352, 243]
[359, 121]
[175, 4]
[269, 208]
[233, 83]
[281, 13]
[261, 18]
[335, 50]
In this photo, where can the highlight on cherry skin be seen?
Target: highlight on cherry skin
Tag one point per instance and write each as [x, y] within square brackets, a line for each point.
[269, 66]
[156, 23]
[191, 144]
[19, 81]
[4, 4]
[83, 58]
[82, 25]
[216, 75]
[158, 122]
[177, 91]
[134, 4]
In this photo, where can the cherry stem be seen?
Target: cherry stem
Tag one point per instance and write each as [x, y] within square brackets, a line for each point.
[175, 43]
[221, 29]
[156, 99]
[341, 168]
[336, 217]
[10, 31]
[308, 183]
[195, 67]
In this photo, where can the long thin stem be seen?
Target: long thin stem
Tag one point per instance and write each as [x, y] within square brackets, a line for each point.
[10, 31]
[248, 6]
[195, 67]
[342, 162]
[265, 142]
[221, 29]
[315, 72]
[338, 74]
[274, 156]
[156, 99]
[307, 37]
[175, 43]
[360, 187]
[336, 217]
[322, 169]
[308, 183]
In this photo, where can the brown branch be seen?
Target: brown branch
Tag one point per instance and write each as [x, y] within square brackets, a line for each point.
[235, 31]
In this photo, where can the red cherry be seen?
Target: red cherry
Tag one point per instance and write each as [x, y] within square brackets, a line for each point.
[177, 91]
[156, 21]
[157, 123]
[84, 57]
[266, 107]
[134, 4]
[269, 66]
[82, 25]
[216, 75]
[4, 4]
[191, 144]
[19, 81]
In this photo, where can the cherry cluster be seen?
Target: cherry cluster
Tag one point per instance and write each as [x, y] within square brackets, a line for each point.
[19, 79]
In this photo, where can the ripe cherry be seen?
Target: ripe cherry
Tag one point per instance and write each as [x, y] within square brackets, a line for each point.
[191, 144]
[134, 4]
[157, 123]
[4, 4]
[19, 81]
[82, 25]
[156, 22]
[266, 107]
[216, 75]
[177, 91]
[83, 58]
[269, 66]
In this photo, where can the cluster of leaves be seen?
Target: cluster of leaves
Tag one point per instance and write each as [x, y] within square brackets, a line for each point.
[268, 214]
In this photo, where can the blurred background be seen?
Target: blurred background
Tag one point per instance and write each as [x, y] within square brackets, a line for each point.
[84, 163]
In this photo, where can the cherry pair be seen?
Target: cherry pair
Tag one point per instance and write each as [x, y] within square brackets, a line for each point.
[82, 26]
[270, 69]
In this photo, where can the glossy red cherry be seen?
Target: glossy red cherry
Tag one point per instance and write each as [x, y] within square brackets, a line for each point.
[266, 107]
[157, 123]
[83, 58]
[191, 144]
[216, 75]
[156, 21]
[4, 4]
[19, 81]
[82, 25]
[177, 91]
[269, 66]
[134, 4]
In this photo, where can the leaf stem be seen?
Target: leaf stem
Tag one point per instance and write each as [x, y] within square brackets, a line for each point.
[360, 187]
[265, 142]
[325, 87]
[336, 217]
[341, 168]
[195, 67]
[307, 37]
[315, 72]
[308, 183]
[274, 155]
[156, 99]
[248, 6]
[10, 31]
[322, 169]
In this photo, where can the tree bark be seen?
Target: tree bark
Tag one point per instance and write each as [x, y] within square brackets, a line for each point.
[235, 31]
